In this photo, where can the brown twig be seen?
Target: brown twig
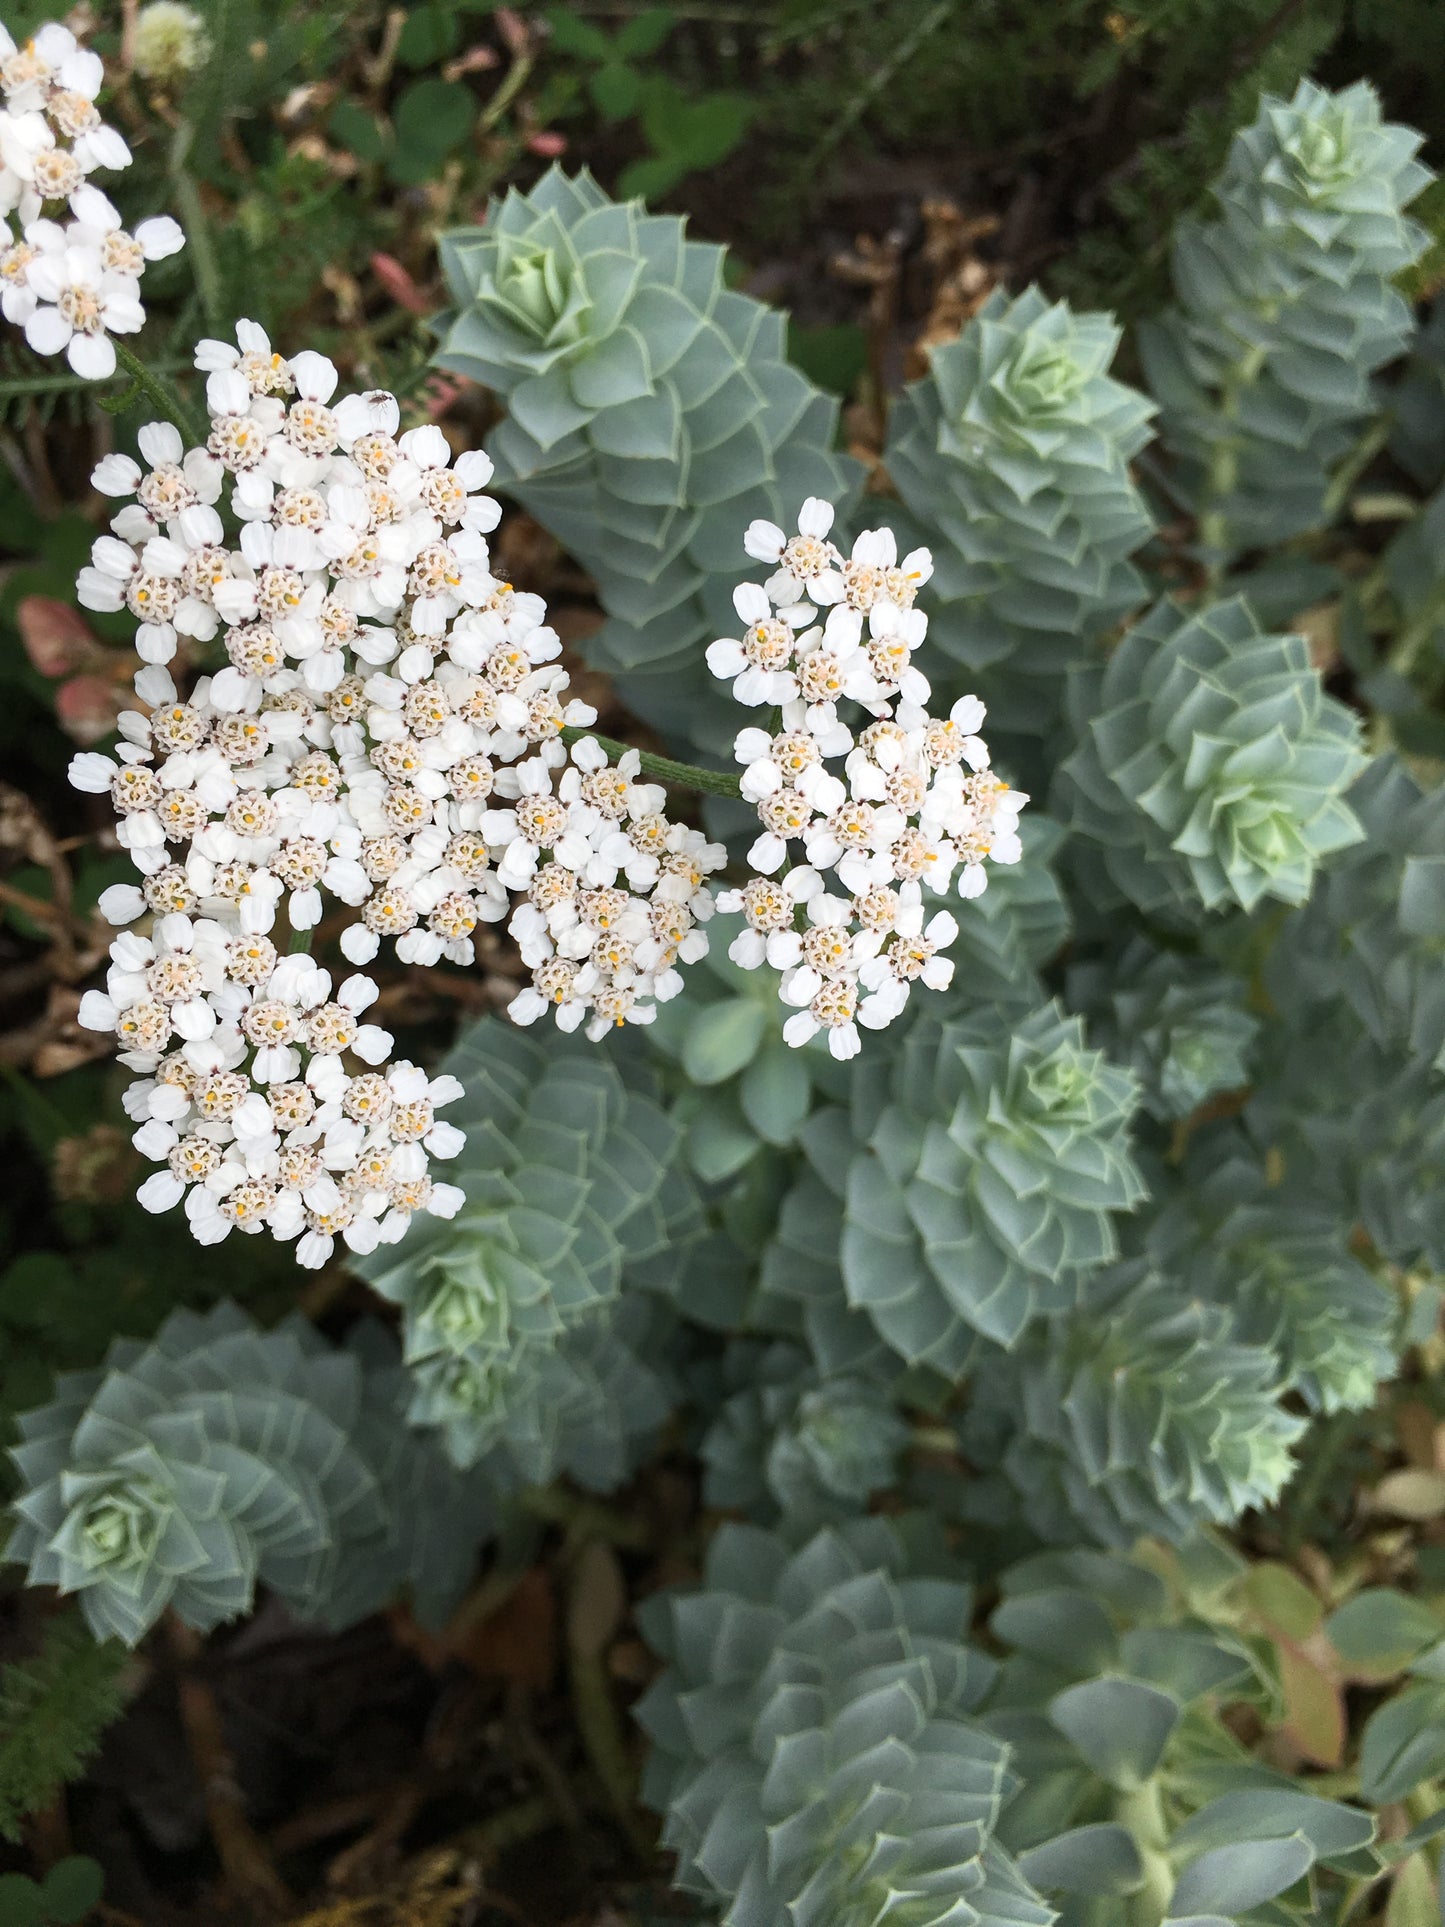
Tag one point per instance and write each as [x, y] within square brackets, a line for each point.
[246, 1864]
[318, 1823]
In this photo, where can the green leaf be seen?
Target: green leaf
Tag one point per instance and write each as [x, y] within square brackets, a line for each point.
[723, 1038]
[775, 1092]
[431, 118]
[430, 34]
[718, 1143]
[1120, 1726]
[1232, 1879]
[1381, 1631]
[1332, 1829]
[571, 35]
[71, 1888]
[616, 90]
[1418, 1836]
[1098, 1861]
[1403, 1744]
[357, 131]
[833, 356]
[645, 32]
[650, 179]
[696, 133]
[54, 1708]
[19, 1902]
[1184, 1664]
[1059, 1626]
[1282, 1599]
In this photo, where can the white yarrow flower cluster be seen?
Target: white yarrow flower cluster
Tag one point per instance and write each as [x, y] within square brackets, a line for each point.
[70, 284]
[245, 1100]
[382, 728]
[880, 813]
[616, 894]
[377, 673]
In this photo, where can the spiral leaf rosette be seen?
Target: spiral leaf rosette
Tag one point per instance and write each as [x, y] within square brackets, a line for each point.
[573, 1180]
[791, 1442]
[1011, 456]
[1177, 1020]
[1143, 1412]
[189, 1470]
[1373, 932]
[1210, 765]
[1285, 309]
[979, 1176]
[814, 1749]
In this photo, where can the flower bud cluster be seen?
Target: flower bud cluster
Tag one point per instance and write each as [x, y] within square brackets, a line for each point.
[70, 284]
[904, 803]
[245, 1101]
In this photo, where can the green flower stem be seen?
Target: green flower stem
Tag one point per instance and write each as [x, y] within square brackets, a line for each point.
[300, 943]
[158, 392]
[198, 232]
[687, 776]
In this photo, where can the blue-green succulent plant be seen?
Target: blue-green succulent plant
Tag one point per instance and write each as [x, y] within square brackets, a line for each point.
[574, 1180]
[814, 1750]
[1137, 1802]
[1179, 1022]
[1210, 766]
[1286, 309]
[1012, 458]
[1372, 935]
[1141, 1412]
[188, 1471]
[792, 1443]
[979, 1177]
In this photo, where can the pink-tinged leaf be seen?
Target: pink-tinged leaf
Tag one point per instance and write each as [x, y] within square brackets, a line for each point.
[549, 146]
[399, 284]
[87, 707]
[513, 29]
[57, 638]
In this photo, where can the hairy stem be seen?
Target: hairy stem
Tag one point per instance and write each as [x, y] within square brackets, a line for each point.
[159, 393]
[687, 776]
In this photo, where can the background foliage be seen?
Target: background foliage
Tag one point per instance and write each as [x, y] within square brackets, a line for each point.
[1158, 1182]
